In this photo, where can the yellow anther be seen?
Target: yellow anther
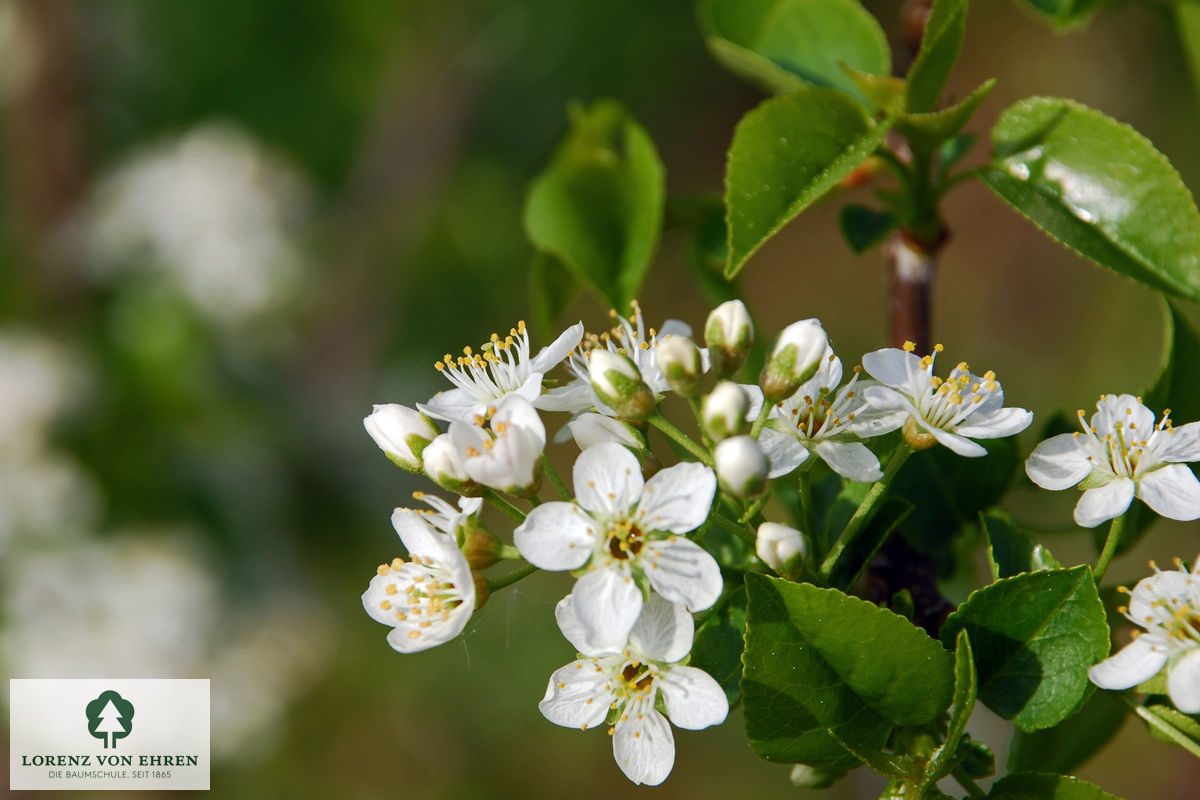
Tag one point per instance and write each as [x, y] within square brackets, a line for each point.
[909, 346]
[414, 634]
[386, 605]
[382, 569]
[397, 563]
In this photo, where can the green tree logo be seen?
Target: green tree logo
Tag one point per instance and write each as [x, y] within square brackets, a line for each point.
[110, 717]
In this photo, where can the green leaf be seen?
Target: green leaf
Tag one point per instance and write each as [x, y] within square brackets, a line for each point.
[782, 45]
[966, 688]
[551, 288]
[785, 154]
[926, 132]
[1100, 188]
[941, 43]
[1069, 745]
[864, 227]
[1184, 724]
[718, 647]
[1034, 636]
[952, 150]
[598, 207]
[1010, 550]
[818, 659]
[1065, 13]
[1035, 786]
[948, 491]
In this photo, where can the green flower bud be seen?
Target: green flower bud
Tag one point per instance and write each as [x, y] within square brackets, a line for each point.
[723, 411]
[678, 359]
[741, 466]
[729, 333]
[617, 382]
[795, 359]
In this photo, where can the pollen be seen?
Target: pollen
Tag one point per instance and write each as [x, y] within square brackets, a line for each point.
[910, 346]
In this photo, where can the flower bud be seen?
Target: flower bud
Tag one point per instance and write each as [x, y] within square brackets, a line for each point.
[590, 429]
[807, 777]
[781, 548]
[729, 333]
[796, 356]
[916, 438]
[402, 433]
[723, 411]
[742, 466]
[678, 359]
[617, 382]
[445, 468]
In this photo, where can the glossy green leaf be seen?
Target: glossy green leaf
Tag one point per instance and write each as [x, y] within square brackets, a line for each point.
[597, 209]
[1070, 744]
[966, 689]
[785, 154]
[941, 43]
[1100, 188]
[818, 659]
[1010, 549]
[1034, 636]
[1036, 786]
[926, 132]
[864, 227]
[782, 45]
[1065, 13]
[718, 647]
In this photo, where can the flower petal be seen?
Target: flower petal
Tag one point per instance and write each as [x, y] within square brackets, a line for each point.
[577, 696]
[1136, 662]
[1104, 502]
[568, 623]
[590, 430]
[574, 397]
[1172, 491]
[883, 398]
[643, 745]
[607, 604]
[995, 425]
[452, 405]
[664, 630]
[678, 498]
[557, 536]
[693, 699]
[959, 444]
[851, 460]
[892, 366]
[1058, 463]
[422, 539]
[1182, 443]
[549, 356]
[608, 479]
[1183, 683]
[783, 450]
[683, 572]
[1172, 584]
[409, 637]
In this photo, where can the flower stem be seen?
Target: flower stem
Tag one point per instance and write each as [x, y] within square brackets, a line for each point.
[760, 421]
[1161, 725]
[742, 532]
[694, 404]
[681, 438]
[511, 578]
[1110, 546]
[534, 500]
[866, 510]
[499, 502]
[555, 480]
[753, 510]
[804, 485]
[965, 781]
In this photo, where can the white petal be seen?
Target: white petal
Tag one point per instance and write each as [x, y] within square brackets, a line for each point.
[678, 498]
[682, 572]
[959, 444]
[1182, 443]
[783, 450]
[517, 411]
[590, 430]
[608, 479]
[892, 366]
[1058, 463]
[1138, 661]
[1104, 502]
[557, 536]
[607, 604]
[409, 637]
[664, 630]
[1183, 683]
[754, 400]
[643, 746]
[550, 355]
[1174, 584]
[693, 699]
[675, 327]
[452, 405]
[886, 399]
[574, 397]
[870, 421]
[1172, 491]
[995, 425]
[851, 460]
[422, 539]
[577, 696]
[568, 623]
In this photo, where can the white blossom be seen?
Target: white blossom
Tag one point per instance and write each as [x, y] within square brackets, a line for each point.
[502, 367]
[777, 544]
[950, 412]
[402, 433]
[1119, 454]
[621, 531]
[796, 355]
[626, 682]
[427, 599]
[724, 410]
[1167, 606]
[741, 466]
[591, 429]
[503, 451]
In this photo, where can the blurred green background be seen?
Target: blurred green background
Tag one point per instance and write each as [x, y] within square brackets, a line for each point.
[230, 227]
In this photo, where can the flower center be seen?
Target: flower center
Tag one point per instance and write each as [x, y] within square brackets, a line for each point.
[420, 592]
[501, 366]
[625, 540]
